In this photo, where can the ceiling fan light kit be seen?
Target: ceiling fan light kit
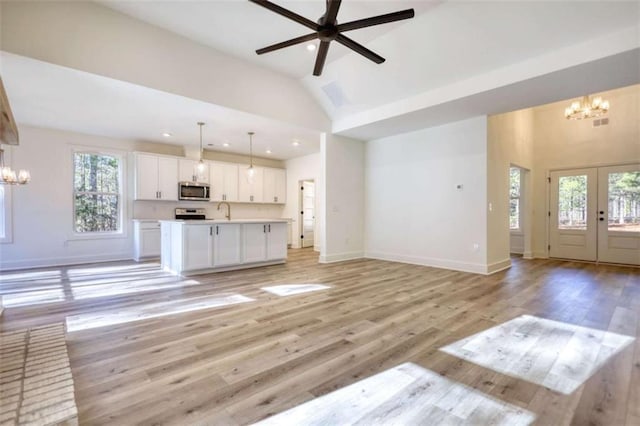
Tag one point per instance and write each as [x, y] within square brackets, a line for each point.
[327, 30]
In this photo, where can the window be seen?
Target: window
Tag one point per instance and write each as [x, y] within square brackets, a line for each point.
[97, 193]
[515, 189]
[4, 213]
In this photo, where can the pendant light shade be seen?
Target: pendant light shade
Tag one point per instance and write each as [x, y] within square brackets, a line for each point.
[251, 171]
[201, 167]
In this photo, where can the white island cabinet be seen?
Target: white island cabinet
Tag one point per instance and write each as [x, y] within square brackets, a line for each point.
[202, 246]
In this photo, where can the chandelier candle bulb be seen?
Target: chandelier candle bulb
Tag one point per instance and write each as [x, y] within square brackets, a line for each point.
[587, 108]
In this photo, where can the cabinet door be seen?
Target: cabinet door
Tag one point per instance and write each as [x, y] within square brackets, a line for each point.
[269, 185]
[277, 241]
[216, 180]
[226, 244]
[168, 178]
[280, 186]
[146, 177]
[230, 192]
[197, 247]
[150, 242]
[188, 172]
[250, 192]
[255, 242]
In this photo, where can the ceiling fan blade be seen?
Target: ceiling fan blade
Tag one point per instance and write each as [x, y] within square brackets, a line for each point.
[332, 11]
[286, 13]
[287, 43]
[322, 56]
[346, 41]
[377, 20]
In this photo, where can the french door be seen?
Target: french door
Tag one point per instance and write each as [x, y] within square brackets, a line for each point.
[595, 214]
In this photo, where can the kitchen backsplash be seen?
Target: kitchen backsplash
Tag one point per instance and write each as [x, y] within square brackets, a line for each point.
[165, 210]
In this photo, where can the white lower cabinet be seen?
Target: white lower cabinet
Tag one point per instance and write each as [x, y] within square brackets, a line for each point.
[277, 239]
[197, 247]
[265, 241]
[207, 247]
[255, 243]
[146, 239]
[227, 244]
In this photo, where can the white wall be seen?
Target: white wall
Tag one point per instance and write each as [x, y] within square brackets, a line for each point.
[43, 209]
[562, 144]
[509, 142]
[112, 44]
[302, 168]
[414, 213]
[342, 224]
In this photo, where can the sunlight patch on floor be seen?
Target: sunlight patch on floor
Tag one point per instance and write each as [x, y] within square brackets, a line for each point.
[554, 354]
[129, 287]
[26, 298]
[290, 289]
[151, 310]
[35, 276]
[91, 270]
[406, 394]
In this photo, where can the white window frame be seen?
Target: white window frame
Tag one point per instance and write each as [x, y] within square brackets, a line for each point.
[517, 230]
[6, 221]
[122, 228]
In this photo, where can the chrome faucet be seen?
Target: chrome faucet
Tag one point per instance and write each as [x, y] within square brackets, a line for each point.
[228, 215]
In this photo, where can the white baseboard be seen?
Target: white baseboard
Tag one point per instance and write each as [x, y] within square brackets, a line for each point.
[528, 255]
[61, 261]
[540, 255]
[492, 268]
[476, 268]
[341, 257]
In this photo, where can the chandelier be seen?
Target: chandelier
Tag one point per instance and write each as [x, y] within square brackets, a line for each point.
[587, 108]
[9, 176]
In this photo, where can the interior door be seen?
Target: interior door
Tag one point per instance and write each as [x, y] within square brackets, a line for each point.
[307, 213]
[619, 214]
[573, 222]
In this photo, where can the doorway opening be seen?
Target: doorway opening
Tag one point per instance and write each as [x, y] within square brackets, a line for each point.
[594, 214]
[307, 215]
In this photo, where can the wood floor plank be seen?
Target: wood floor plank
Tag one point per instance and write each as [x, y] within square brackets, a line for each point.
[242, 363]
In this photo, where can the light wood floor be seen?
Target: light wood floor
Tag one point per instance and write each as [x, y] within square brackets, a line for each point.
[239, 363]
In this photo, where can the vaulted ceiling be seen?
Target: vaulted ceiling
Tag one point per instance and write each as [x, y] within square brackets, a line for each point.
[452, 61]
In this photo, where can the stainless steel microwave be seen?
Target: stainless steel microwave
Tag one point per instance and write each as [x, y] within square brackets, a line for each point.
[193, 191]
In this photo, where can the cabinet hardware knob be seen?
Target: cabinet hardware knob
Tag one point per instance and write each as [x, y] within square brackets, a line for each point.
[602, 218]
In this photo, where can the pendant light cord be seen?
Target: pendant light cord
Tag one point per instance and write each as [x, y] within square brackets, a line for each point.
[201, 151]
[251, 149]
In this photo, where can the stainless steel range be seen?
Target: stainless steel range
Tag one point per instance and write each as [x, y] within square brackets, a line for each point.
[191, 214]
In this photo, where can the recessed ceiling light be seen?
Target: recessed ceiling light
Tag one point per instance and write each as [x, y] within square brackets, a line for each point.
[311, 47]
[167, 134]
[295, 143]
[268, 151]
[226, 144]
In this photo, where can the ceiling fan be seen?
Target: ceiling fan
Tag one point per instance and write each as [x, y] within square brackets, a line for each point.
[327, 30]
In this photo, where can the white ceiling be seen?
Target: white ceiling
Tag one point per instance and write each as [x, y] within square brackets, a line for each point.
[47, 95]
[238, 27]
[446, 42]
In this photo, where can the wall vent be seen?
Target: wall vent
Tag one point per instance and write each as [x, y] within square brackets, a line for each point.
[600, 122]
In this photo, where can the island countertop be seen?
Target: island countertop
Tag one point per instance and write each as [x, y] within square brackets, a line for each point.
[223, 221]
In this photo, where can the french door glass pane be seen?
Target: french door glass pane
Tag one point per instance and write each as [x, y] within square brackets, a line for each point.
[572, 202]
[624, 201]
[514, 213]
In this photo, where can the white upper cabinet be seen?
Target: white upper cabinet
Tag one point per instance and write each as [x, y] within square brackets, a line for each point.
[156, 178]
[224, 181]
[188, 171]
[250, 192]
[275, 186]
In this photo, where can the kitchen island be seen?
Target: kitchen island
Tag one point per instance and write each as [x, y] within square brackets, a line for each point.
[202, 246]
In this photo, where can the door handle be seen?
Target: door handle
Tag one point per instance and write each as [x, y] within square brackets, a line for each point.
[264, 228]
[216, 229]
[269, 227]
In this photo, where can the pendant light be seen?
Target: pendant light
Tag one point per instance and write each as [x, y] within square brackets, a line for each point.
[251, 171]
[200, 167]
[8, 176]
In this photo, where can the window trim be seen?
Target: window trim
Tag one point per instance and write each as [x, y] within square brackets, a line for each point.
[518, 230]
[122, 160]
[7, 214]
